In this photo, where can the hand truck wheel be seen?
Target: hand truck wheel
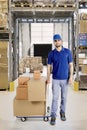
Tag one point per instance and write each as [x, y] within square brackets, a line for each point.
[46, 118]
[23, 119]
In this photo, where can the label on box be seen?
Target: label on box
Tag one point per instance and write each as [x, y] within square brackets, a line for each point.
[83, 39]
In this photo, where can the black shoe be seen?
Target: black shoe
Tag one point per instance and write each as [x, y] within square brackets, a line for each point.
[53, 121]
[62, 116]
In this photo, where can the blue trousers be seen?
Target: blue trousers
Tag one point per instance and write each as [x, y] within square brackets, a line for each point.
[62, 86]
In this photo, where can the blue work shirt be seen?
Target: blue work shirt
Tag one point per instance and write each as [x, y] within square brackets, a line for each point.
[60, 61]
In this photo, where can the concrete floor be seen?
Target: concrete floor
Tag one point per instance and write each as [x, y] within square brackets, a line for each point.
[76, 114]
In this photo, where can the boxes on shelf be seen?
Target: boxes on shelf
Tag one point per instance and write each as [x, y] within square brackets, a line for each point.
[83, 39]
[83, 26]
[4, 6]
[3, 65]
[83, 16]
[3, 61]
[82, 55]
[82, 60]
[3, 69]
[84, 69]
[3, 80]
[3, 18]
[33, 63]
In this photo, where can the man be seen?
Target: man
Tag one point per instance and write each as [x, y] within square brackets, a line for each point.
[62, 74]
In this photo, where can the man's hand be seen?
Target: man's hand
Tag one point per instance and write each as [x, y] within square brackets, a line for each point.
[47, 81]
[70, 81]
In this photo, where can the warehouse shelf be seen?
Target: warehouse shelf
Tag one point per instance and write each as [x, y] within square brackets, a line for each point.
[43, 9]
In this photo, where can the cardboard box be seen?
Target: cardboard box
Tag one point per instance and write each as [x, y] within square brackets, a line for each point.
[26, 108]
[21, 93]
[3, 44]
[37, 74]
[37, 90]
[3, 80]
[83, 26]
[23, 80]
[23, 86]
[3, 69]
[81, 60]
[3, 61]
[84, 69]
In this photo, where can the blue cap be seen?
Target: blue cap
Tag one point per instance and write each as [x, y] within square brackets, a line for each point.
[57, 37]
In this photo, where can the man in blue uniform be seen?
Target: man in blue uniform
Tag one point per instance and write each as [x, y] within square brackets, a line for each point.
[62, 74]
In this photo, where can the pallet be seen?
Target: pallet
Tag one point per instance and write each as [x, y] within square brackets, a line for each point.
[66, 5]
[48, 5]
[40, 6]
[21, 4]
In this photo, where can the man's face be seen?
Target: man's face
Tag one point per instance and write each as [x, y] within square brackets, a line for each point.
[58, 43]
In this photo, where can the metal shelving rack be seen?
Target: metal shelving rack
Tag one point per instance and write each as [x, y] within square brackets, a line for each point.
[17, 13]
[80, 5]
[81, 78]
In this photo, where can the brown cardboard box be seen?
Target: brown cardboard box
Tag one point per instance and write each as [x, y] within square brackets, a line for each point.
[81, 60]
[21, 93]
[3, 49]
[3, 61]
[37, 90]
[84, 69]
[26, 108]
[3, 69]
[83, 26]
[3, 80]
[23, 86]
[37, 74]
[3, 44]
[23, 80]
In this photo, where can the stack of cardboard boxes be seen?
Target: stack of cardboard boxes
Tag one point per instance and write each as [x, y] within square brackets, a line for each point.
[3, 13]
[33, 63]
[83, 42]
[30, 98]
[83, 49]
[3, 65]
